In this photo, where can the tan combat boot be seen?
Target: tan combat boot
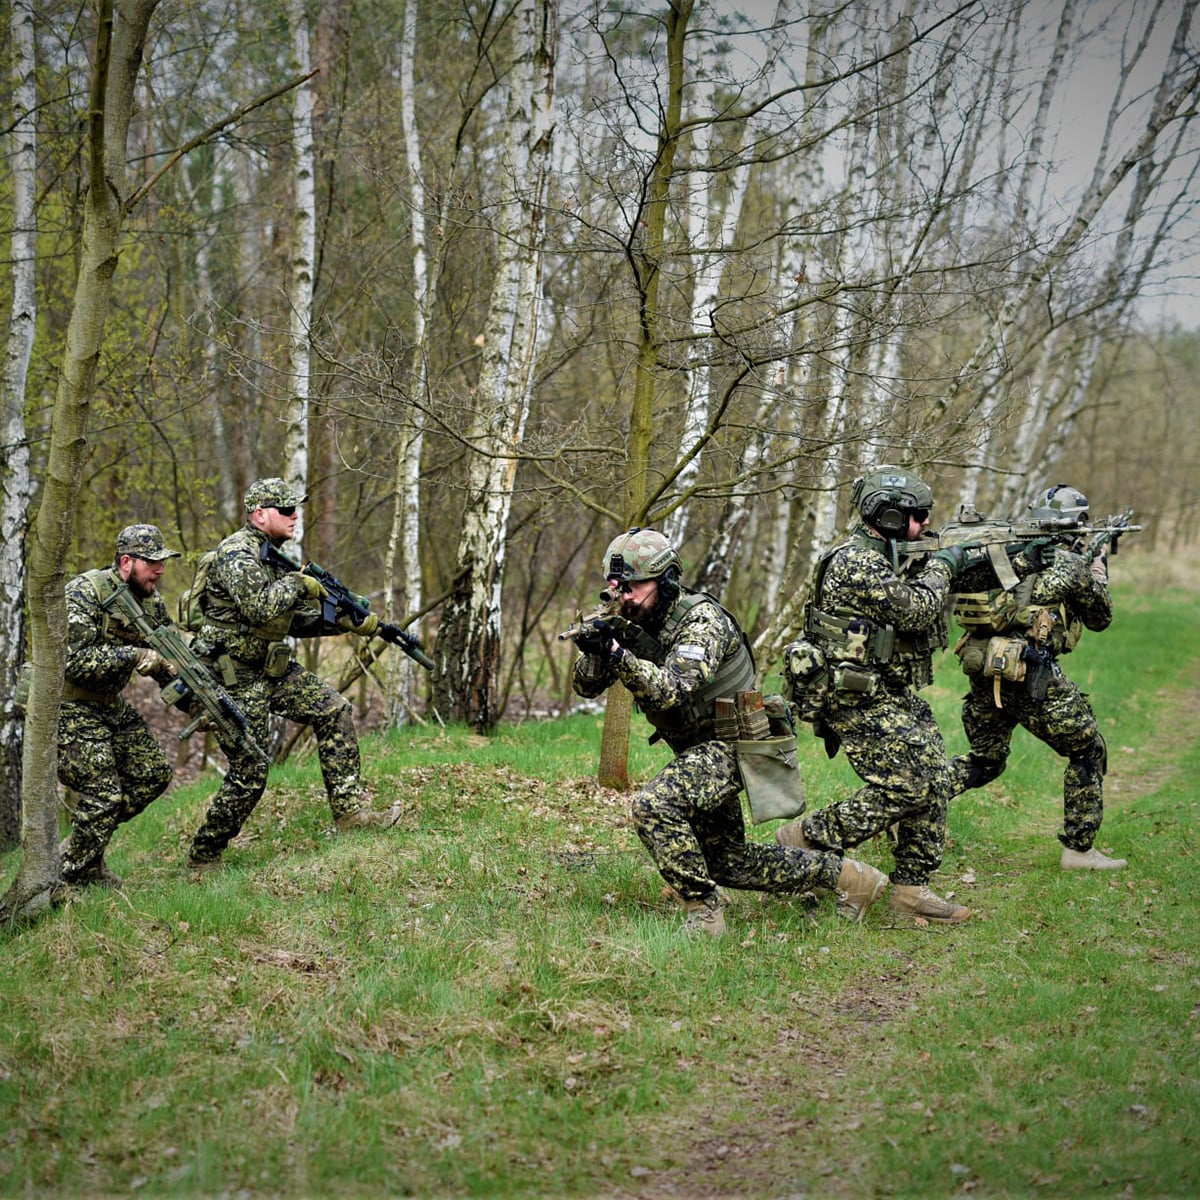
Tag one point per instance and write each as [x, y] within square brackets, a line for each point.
[365, 818]
[917, 900]
[705, 916]
[858, 887]
[1089, 860]
[792, 834]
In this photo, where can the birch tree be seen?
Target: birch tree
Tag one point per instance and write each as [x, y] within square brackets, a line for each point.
[16, 487]
[120, 41]
[467, 651]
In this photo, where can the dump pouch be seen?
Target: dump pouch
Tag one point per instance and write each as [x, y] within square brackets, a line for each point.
[770, 769]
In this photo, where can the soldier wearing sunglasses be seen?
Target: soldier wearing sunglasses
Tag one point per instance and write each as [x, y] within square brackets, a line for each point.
[251, 612]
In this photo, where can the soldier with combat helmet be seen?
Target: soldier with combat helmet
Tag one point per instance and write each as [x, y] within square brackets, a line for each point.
[689, 652]
[250, 611]
[105, 751]
[1061, 589]
[877, 617]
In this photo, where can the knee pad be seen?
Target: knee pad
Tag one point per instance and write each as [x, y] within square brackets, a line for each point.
[981, 771]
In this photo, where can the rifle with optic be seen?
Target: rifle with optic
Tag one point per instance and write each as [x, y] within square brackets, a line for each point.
[340, 601]
[193, 680]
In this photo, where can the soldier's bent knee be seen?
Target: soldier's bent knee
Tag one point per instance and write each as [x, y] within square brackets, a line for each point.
[981, 771]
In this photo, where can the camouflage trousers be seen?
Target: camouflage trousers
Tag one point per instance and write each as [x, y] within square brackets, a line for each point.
[689, 817]
[108, 756]
[300, 696]
[896, 749]
[1064, 721]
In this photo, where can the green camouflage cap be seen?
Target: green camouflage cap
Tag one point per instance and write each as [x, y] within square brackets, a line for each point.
[271, 493]
[144, 541]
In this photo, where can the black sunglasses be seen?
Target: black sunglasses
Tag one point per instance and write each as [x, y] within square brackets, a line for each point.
[285, 510]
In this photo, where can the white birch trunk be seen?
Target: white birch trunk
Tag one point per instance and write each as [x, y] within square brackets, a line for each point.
[403, 562]
[16, 488]
[468, 646]
[300, 278]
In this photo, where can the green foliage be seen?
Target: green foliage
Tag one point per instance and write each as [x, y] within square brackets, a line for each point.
[494, 998]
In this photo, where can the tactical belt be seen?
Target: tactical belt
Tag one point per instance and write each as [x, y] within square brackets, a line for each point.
[72, 691]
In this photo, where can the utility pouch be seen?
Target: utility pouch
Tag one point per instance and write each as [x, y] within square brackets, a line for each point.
[24, 682]
[852, 679]
[279, 655]
[1005, 658]
[770, 770]
[1037, 680]
[972, 653]
[806, 678]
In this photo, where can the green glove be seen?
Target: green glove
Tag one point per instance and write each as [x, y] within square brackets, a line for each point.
[310, 587]
[368, 628]
[962, 557]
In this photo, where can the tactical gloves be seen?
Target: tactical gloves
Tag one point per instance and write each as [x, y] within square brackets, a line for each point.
[310, 587]
[148, 661]
[368, 628]
[597, 638]
[962, 557]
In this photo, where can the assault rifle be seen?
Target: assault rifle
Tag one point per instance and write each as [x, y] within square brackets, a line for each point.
[628, 633]
[340, 601]
[998, 538]
[193, 680]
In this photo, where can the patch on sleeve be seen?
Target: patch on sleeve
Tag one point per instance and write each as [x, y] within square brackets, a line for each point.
[688, 652]
[899, 594]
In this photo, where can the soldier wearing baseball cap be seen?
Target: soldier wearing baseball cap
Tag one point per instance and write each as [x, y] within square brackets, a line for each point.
[106, 754]
[272, 493]
[145, 542]
[251, 611]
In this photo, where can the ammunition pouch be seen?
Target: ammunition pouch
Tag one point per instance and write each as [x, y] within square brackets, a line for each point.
[854, 638]
[277, 660]
[852, 681]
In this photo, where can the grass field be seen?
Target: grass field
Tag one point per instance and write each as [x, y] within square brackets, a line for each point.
[493, 999]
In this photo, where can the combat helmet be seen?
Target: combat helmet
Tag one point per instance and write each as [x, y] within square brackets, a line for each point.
[1061, 505]
[639, 554]
[886, 495]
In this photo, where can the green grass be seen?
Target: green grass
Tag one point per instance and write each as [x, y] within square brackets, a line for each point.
[494, 999]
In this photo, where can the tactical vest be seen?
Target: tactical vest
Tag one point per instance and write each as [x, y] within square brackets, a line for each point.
[692, 722]
[847, 636]
[1011, 610]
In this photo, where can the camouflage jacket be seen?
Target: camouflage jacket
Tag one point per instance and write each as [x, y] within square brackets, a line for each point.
[704, 655]
[1069, 589]
[900, 611]
[101, 649]
[249, 604]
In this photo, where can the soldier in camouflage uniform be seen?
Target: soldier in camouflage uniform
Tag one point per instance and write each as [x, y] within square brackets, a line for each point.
[249, 610]
[105, 752]
[877, 619]
[689, 652]
[1075, 594]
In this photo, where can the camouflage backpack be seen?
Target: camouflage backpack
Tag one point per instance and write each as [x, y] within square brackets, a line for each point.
[191, 612]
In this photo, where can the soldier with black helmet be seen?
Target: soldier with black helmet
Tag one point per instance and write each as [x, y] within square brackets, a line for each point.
[105, 752]
[1062, 591]
[877, 617]
[689, 651]
[250, 609]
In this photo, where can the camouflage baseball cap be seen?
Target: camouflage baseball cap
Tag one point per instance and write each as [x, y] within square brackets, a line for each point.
[144, 541]
[271, 493]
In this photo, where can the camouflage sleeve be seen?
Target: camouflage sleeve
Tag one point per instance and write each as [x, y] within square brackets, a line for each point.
[701, 642]
[93, 661]
[254, 593]
[1069, 581]
[592, 674]
[862, 580]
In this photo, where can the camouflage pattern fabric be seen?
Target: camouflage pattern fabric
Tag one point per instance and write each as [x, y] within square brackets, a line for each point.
[890, 738]
[300, 696]
[1064, 720]
[689, 816]
[248, 606]
[106, 753]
